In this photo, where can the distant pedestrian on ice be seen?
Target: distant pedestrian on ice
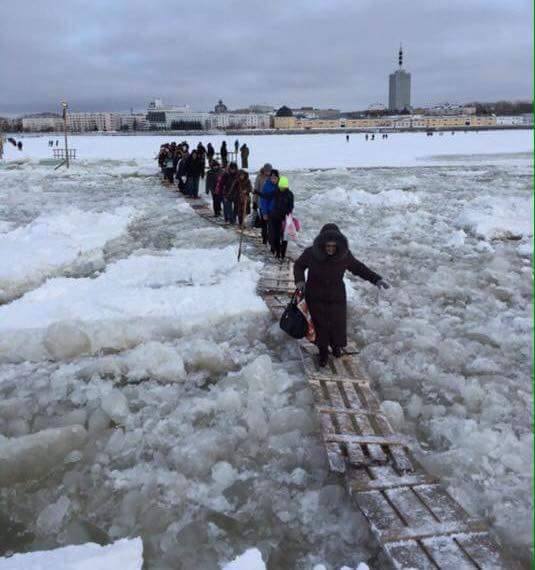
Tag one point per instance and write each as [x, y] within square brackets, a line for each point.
[244, 153]
[224, 154]
[236, 146]
[326, 262]
[210, 152]
[347, 138]
[366, 136]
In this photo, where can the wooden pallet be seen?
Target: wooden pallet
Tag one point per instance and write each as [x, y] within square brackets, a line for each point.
[416, 522]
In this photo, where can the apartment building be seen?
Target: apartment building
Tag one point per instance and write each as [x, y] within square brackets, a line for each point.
[134, 122]
[42, 124]
[391, 122]
[514, 121]
[239, 121]
[87, 122]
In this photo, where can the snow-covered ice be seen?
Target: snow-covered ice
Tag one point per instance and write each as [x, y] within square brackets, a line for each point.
[50, 244]
[174, 291]
[145, 390]
[126, 554]
[492, 217]
[250, 560]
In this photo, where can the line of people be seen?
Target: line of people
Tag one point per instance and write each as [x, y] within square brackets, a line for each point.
[270, 199]
[273, 201]
[318, 272]
[176, 160]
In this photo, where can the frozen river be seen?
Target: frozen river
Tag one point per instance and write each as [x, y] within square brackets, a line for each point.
[125, 315]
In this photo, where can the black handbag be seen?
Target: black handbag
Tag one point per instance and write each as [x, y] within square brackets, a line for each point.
[293, 322]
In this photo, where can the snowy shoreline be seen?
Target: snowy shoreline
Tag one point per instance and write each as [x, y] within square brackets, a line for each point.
[267, 132]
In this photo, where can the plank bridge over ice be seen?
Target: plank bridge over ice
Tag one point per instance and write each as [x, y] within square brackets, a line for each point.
[416, 522]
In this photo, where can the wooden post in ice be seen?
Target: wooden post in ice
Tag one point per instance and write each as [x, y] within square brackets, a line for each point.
[64, 105]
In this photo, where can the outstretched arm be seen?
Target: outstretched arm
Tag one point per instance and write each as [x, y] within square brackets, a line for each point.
[358, 268]
[299, 268]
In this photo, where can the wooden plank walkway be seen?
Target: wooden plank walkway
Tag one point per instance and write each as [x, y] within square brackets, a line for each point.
[416, 522]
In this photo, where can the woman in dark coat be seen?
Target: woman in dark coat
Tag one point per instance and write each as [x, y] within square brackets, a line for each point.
[327, 261]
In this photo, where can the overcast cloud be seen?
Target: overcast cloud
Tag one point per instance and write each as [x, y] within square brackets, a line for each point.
[117, 54]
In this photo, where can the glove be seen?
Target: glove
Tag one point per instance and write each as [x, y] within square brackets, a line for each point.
[382, 284]
[300, 286]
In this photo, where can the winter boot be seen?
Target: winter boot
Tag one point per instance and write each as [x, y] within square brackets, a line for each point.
[337, 351]
[323, 357]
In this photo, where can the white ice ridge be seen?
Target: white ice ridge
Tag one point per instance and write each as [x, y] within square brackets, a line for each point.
[395, 198]
[125, 554]
[50, 243]
[152, 294]
[495, 217]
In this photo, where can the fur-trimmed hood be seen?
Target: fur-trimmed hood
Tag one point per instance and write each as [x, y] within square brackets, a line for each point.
[330, 232]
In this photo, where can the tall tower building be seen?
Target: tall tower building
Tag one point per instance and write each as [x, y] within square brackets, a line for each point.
[399, 95]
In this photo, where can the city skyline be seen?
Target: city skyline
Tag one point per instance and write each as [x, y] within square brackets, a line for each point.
[327, 55]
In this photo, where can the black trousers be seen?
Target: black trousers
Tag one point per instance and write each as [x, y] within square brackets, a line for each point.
[169, 174]
[275, 235]
[264, 229]
[217, 201]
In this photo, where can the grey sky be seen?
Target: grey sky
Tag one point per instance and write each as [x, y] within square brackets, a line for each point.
[117, 54]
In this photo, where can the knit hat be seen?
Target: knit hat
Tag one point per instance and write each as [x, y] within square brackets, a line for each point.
[283, 183]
